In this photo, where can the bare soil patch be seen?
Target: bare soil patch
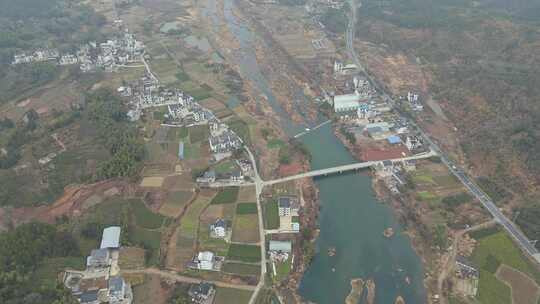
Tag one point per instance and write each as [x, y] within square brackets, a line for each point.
[131, 258]
[152, 182]
[524, 289]
[247, 194]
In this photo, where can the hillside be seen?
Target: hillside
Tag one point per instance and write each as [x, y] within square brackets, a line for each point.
[485, 66]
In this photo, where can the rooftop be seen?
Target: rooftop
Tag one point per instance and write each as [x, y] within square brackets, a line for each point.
[284, 246]
[111, 237]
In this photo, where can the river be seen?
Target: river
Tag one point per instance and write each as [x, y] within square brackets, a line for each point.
[351, 220]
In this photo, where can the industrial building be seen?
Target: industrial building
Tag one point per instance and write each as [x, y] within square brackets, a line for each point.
[346, 103]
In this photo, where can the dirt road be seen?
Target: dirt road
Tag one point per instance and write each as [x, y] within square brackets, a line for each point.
[180, 278]
[448, 266]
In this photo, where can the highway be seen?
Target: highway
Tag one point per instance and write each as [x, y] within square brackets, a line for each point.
[523, 242]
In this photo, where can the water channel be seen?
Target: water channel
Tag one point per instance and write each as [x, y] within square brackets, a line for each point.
[352, 220]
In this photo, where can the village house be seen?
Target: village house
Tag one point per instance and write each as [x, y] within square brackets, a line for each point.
[279, 251]
[218, 229]
[202, 293]
[100, 283]
[204, 261]
[207, 177]
[288, 206]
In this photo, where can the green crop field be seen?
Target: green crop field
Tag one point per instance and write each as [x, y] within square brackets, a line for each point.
[192, 151]
[426, 196]
[224, 167]
[244, 253]
[491, 290]
[149, 240]
[144, 217]
[245, 228]
[271, 215]
[226, 196]
[198, 133]
[242, 269]
[282, 269]
[230, 295]
[246, 208]
[495, 248]
[500, 246]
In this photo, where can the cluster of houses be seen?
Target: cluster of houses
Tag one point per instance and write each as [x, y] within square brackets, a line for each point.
[147, 93]
[467, 276]
[223, 141]
[183, 110]
[101, 282]
[393, 174]
[106, 55]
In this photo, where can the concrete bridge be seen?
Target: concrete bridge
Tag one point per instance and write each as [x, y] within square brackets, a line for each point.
[344, 168]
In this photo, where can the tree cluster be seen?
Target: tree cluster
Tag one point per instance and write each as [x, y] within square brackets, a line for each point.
[117, 134]
[23, 250]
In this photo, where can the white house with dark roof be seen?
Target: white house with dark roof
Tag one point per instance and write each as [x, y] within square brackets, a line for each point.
[219, 228]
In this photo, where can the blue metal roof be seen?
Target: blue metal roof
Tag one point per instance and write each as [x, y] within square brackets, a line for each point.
[393, 139]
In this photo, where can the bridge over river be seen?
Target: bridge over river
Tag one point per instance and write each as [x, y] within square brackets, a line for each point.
[344, 168]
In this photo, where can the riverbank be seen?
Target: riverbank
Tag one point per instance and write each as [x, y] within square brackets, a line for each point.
[348, 207]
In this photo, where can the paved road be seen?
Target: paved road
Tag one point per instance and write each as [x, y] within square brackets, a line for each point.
[523, 242]
[344, 168]
[258, 189]
[171, 275]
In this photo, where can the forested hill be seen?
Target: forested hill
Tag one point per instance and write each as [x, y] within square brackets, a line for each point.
[29, 25]
[486, 66]
[483, 59]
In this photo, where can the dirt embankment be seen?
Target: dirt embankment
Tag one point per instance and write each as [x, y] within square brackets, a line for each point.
[74, 201]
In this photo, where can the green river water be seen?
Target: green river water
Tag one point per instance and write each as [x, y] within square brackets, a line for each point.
[351, 220]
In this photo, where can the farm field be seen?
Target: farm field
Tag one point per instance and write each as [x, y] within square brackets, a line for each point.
[230, 295]
[271, 215]
[282, 270]
[524, 289]
[246, 208]
[244, 253]
[247, 194]
[245, 228]
[131, 258]
[144, 217]
[198, 133]
[241, 269]
[226, 196]
[496, 251]
[187, 231]
[226, 166]
[175, 203]
[144, 225]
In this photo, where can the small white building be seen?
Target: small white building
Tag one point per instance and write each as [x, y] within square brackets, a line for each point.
[205, 260]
